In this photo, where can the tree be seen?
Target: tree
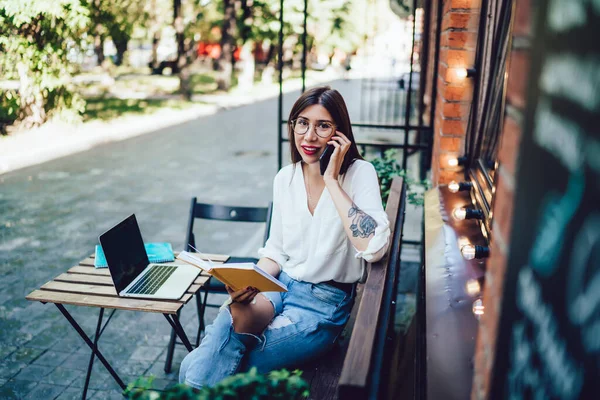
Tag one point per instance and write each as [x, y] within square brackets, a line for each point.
[228, 35]
[115, 19]
[35, 39]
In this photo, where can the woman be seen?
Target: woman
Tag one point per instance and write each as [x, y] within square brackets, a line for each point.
[321, 226]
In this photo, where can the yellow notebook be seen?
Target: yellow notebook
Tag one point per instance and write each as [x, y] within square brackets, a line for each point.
[235, 275]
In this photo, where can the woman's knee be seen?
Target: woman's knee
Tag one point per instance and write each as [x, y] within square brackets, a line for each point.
[252, 318]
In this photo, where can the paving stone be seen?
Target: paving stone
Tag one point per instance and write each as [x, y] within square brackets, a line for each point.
[63, 376]
[9, 369]
[33, 373]
[133, 367]
[25, 355]
[69, 345]
[73, 393]
[3, 381]
[6, 350]
[51, 358]
[44, 340]
[45, 391]
[107, 395]
[146, 353]
[36, 327]
[157, 371]
[14, 389]
[78, 360]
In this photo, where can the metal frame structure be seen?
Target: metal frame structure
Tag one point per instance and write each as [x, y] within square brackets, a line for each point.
[93, 344]
[424, 133]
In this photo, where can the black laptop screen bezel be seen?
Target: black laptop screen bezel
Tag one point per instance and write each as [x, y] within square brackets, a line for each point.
[125, 253]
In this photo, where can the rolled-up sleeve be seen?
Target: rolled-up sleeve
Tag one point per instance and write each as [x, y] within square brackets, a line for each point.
[273, 249]
[366, 195]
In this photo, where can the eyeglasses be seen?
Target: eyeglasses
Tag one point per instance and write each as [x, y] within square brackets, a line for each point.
[323, 129]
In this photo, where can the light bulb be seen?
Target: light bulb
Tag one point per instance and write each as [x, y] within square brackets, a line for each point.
[461, 73]
[478, 308]
[459, 213]
[453, 186]
[453, 162]
[471, 251]
[468, 251]
[473, 287]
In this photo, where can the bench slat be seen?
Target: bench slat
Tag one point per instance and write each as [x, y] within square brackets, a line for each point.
[163, 307]
[354, 378]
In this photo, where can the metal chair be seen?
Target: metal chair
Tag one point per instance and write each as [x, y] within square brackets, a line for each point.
[221, 213]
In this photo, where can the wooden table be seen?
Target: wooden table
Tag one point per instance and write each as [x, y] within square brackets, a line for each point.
[84, 285]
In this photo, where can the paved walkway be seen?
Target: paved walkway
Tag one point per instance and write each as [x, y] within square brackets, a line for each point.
[52, 213]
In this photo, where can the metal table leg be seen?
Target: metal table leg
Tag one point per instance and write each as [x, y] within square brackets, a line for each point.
[93, 346]
[92, 356]
[178, 329]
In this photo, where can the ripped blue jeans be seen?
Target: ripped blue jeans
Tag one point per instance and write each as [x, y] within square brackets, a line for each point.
[308, 319]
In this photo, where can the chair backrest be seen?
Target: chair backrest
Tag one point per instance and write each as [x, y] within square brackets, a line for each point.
[226, 213]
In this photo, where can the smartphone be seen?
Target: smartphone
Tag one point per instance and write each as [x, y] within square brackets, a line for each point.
[324, 159]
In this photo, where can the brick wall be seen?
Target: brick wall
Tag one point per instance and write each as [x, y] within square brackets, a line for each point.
[458, 41]
[503, 199]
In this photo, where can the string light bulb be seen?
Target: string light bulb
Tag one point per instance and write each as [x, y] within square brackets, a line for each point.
[466, 72]
[459, 187]
[457, 161]
[473, 287]
[462, 213]
[478, 308]
[471, 251]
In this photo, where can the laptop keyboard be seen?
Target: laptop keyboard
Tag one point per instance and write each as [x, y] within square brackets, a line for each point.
[152, 280]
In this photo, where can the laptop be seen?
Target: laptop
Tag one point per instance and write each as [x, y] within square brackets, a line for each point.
[131, 271]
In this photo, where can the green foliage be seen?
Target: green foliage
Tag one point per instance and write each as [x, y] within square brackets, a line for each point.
[35, 38]
[9, 106]
[387, 168]
[249, 385]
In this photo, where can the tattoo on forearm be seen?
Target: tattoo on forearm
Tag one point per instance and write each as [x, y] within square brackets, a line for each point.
[362, 224]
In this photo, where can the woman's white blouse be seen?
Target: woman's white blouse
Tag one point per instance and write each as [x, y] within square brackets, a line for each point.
[316, 248]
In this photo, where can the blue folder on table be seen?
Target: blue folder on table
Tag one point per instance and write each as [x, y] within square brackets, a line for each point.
[157, 253]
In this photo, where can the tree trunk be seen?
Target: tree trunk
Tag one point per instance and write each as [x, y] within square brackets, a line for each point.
[121, 49]
[31, 104]
[156, 29]
[181, 62]
[227, 44]
[98, 34]
[99, 48]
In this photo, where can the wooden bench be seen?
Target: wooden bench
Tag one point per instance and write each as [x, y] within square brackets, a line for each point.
[352, 370]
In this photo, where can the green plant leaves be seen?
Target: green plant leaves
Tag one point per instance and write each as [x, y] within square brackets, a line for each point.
[280, 384]
[387, 167]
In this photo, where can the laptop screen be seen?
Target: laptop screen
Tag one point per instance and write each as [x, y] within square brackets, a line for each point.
[123, 247]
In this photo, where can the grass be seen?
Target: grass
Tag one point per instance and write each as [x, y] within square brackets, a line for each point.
[105, 109]
[103, 106]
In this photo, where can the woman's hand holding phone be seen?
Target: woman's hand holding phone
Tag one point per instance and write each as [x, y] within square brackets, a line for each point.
[341, 145]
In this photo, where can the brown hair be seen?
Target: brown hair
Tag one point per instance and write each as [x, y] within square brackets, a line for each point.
[334, 103]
